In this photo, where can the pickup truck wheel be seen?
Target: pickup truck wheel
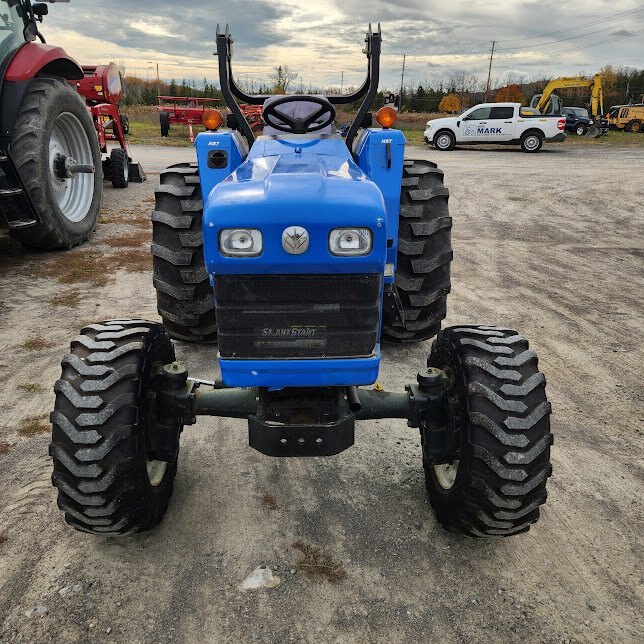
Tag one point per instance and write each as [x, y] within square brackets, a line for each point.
[580, 130]
[444, 140]
[634, 126]
[493, 481]
[185, 299]
[424, 254]
[531, 142]
[114, 465]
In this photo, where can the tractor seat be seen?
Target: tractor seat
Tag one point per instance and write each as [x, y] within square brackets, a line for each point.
[299, 109]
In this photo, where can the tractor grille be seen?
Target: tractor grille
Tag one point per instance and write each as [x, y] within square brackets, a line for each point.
[297, 316]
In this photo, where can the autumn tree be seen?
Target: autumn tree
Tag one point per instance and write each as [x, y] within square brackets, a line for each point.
[509, 94]
[281, 78]
[609, 79]
[449, 103]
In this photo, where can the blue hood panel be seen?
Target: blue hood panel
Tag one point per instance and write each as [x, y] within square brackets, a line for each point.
[314, 184]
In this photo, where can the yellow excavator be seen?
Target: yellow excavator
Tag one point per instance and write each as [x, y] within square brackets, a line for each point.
[550, 103]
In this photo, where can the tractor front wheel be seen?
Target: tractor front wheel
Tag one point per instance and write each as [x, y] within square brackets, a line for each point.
[424, 255]
[53, 127]
[495, 480]
[185, 299]
[114, 464]
[119, 168]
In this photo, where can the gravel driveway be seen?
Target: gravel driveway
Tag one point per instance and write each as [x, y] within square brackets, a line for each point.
[551, 244]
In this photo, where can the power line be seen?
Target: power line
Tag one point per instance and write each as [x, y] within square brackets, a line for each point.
[552, 42]
[588, 24]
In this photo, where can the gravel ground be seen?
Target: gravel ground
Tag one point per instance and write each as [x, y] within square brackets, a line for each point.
[550, 244]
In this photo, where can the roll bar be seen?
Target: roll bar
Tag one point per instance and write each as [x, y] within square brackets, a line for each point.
[367, 91]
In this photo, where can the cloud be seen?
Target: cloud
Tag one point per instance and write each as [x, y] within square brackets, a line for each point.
[323, 39]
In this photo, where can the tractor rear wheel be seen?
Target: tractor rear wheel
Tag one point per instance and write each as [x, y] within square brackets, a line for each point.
[114, 466]
[185, 299]
[53, 124]
[424, 254]
[164, 120]
[495, 480]
[119, 168]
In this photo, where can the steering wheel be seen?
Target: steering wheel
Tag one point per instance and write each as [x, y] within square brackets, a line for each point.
[294, 125]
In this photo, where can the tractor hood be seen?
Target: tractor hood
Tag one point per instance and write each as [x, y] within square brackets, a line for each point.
[295, 185]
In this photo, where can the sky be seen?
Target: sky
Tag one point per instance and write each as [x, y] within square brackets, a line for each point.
[322, 39]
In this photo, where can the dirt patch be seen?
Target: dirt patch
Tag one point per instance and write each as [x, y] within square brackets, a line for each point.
[4, 447]
[33, 426]
[269, 501]
[316, 564]
[3, 537]
[36, 344]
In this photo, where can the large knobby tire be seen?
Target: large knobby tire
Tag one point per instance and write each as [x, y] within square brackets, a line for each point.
[634, 125]
[185, 299]
[119, 168]
[424, 254]
[498, 407]
[101, 429]
[531, 142]
[53, 119]
[164, 122]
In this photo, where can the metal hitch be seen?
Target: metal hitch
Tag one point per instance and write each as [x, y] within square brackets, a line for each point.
[303, 421]
[67, 167]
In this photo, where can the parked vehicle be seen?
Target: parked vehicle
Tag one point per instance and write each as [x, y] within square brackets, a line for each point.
[317, 248]
[504, 123]
[51, 178]
[629, 118]
[577, 120]
[550, 103]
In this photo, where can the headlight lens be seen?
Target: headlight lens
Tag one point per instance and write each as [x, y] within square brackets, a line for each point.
[350, 241]
[240, 242]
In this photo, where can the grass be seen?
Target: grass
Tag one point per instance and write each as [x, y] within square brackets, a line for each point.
[34, 426]
[131, 240]
[315, 564]
[31, 387]
[36, 344]
[68, 299]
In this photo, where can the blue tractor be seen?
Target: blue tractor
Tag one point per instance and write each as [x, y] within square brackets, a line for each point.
[301, 252]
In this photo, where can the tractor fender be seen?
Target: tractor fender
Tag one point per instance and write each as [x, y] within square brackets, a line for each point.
[33, 59]
[30, 61]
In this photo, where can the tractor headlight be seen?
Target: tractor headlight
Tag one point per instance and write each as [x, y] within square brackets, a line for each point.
[350, 241]
[240, 242]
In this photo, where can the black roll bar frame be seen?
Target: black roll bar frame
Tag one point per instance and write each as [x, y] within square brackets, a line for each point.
[367, 91]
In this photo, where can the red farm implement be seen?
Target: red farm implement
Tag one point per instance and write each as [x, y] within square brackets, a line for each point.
[191, 111]
[102, 90]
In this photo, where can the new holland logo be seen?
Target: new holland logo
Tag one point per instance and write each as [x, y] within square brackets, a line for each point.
[295, 240]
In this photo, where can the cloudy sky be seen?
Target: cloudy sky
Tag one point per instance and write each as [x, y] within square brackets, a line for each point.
[320, 39]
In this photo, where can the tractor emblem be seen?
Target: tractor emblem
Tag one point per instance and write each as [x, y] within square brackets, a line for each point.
[295, 240]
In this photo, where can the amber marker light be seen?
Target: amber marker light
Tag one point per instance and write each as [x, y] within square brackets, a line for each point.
[386, 117]
[212, 119]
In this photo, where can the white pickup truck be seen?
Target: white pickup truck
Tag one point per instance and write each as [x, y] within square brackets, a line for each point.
[504, 123]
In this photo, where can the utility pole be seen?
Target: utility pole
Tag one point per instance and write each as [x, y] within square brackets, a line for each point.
[402, 84]
[301, 85]
[342, 82]
[489, 72]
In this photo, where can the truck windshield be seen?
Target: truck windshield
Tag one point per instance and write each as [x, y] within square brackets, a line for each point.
[12, 26]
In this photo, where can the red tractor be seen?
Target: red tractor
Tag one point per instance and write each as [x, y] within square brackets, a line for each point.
[102, 90]
[51, 175]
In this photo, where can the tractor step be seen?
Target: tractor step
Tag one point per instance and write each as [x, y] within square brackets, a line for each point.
[15, 205]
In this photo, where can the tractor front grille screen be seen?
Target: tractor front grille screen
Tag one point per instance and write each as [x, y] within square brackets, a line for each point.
[297, 316]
